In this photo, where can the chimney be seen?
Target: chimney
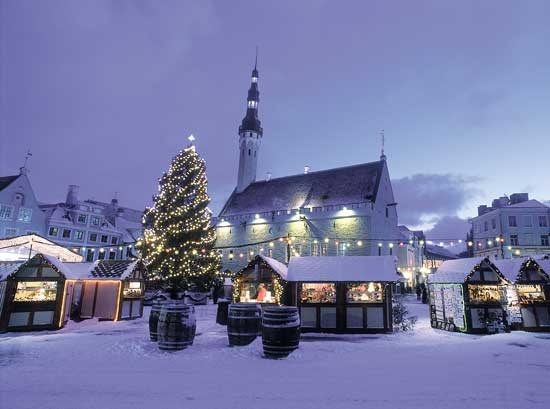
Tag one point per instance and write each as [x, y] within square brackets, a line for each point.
[72, 195]
[306, 170]
[481, 210]
[516, 198]
[268, 176]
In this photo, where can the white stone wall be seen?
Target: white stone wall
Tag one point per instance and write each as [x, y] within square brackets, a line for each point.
[529, 241]
[360, 226]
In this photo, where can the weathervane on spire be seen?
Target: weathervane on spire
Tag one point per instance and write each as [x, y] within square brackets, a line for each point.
[23, 169]
[383, 140]
[256, 60]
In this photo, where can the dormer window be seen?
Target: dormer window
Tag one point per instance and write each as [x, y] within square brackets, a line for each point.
[252, 104]
[254, 80]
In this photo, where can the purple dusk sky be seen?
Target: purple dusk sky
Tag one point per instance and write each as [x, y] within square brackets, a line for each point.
[104, 93]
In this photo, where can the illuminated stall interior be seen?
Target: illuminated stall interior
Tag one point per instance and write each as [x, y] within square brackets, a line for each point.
[350, 294]
[529, 298]
[261, 281]
[42, 292]
[469, 295]
[31, 295]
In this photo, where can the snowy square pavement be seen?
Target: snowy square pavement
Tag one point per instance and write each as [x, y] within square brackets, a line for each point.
[113, 365]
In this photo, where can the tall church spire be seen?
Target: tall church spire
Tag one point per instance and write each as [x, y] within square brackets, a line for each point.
[250, 134]
[383, 140]
[250, 121]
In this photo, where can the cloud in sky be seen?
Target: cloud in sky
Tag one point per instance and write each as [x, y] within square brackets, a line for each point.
[433, 201]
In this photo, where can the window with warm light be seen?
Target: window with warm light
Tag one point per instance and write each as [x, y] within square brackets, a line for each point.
[36, 291]
[318, 293]
[132, 289]
[365, 292]
[530, 293]
[485, 294]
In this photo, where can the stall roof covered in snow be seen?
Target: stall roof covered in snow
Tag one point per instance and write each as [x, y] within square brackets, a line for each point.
[454, 271]
[101, 270]
[8, 267]
[510, 267]
[277, 266]
[349, 268]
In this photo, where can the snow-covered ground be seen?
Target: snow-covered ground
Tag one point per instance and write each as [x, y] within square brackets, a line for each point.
[113, 365]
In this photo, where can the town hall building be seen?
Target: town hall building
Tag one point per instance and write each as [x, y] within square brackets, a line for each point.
[336, 212]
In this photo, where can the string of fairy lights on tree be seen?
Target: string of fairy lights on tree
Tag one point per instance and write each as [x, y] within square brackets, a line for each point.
[178, 240]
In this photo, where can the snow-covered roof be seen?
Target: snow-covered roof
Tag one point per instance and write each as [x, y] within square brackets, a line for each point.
[277, 266]
[80, 271]
[348, 268]
[101, 270]
[351, 184]
[39, 245]
[454, 271]
[8, 267]
[510, 267]
[529, 203]
[98, 270]
[545, 265]
[58, 264]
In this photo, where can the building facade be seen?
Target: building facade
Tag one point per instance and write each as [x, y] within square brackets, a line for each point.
[93, 229]
[336, 212]
[511, 227]
[20, 212]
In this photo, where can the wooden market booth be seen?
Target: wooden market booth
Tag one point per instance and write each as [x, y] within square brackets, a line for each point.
[39, 294]
[529, 297]
[262, 280]
[469, 295]
[33, 295]
[351, 294]
[109, 289]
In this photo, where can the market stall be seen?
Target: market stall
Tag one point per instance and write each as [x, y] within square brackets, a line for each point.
[33, 295]
[261, 281]
[41, 292]
[349, 294]
[529, 298]
[108, 289]
[469, 295]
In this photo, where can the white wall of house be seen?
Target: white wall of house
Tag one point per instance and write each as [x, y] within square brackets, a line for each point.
[524, 228]
[19, 210]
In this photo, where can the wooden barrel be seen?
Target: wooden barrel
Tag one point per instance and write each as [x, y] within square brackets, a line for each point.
[154, 319]
[223, 311]
[244, 323]
[280, 331]
[176, 326]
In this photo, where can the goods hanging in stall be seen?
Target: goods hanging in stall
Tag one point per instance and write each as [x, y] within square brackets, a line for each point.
[529, 297]
[350, 294]
[261, 281]
[469, 295]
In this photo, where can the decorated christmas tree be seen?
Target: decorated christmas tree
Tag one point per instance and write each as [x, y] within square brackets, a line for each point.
[179, 238]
